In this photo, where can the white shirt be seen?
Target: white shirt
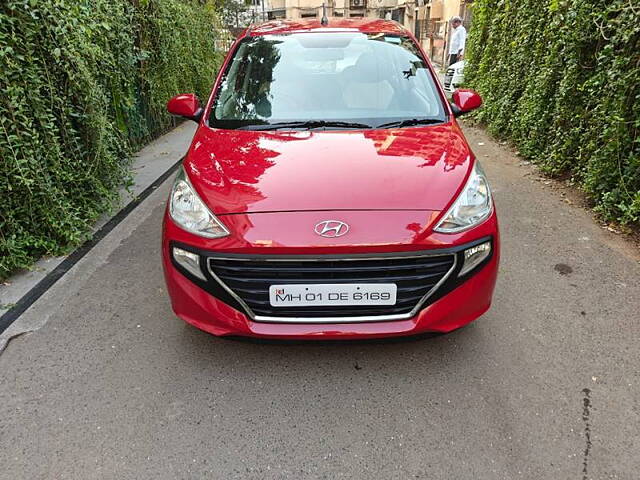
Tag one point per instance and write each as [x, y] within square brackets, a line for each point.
[458, 40]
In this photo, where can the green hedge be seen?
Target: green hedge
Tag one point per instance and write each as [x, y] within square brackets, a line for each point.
[561, 78]
[83, 82]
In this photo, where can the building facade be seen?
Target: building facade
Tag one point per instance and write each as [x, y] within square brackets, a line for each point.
[432, 26]
[428, 19]
[403, 11]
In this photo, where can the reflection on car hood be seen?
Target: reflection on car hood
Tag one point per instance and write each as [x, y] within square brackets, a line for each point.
[241, 171]
[457, 65]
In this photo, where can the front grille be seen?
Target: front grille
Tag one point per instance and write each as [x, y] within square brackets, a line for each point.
[249, 278]
[448, 77]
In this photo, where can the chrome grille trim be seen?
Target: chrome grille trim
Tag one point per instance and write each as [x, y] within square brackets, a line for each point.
[331, 319]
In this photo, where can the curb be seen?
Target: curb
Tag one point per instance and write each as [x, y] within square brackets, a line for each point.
[74, 257]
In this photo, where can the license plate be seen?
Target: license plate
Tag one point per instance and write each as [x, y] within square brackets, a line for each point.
[336, 294]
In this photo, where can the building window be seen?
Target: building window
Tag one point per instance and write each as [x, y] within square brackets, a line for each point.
[276, 14]
[398, 15]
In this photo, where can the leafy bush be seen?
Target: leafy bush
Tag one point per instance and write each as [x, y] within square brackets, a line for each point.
[83, 82]
[561, 78]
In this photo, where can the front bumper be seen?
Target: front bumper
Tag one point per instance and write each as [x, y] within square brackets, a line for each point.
[455, 303]
[452, 80]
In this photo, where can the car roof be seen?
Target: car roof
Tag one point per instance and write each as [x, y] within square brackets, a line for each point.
[364, 25]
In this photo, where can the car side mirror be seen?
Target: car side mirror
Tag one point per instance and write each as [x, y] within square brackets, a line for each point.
[465, 100]
[186, 105]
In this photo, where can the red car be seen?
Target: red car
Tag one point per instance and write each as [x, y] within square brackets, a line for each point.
[329, 192]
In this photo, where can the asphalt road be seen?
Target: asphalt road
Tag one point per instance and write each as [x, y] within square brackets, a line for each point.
[546, 385]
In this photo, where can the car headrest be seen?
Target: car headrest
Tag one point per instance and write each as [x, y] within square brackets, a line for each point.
[367, 69]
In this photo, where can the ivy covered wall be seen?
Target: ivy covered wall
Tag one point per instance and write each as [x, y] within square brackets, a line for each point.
[83, 82]
[561, 78]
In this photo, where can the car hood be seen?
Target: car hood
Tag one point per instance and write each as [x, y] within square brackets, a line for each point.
[241, 171]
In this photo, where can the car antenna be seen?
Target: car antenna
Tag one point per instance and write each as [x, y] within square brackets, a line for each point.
[325, 20]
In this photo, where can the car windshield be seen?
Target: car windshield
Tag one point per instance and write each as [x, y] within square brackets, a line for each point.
[326, 80]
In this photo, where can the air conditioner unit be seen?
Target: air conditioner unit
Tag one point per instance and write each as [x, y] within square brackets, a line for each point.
[357, 3]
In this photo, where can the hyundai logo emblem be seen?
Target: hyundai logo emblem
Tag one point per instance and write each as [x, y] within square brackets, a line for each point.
[331, 228]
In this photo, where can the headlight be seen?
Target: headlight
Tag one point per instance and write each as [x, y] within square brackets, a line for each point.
[188, 211]
[460, 70]
[472, 206]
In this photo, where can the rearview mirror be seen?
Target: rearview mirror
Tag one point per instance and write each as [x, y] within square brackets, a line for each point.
[465, 100]
[186, 105]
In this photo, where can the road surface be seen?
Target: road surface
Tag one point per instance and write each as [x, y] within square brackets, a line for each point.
[546, 385]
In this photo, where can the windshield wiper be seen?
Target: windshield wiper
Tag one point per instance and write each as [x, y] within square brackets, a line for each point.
[307, 124]
[410, 122]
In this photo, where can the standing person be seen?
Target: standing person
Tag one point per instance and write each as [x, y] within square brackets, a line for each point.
[458, 40]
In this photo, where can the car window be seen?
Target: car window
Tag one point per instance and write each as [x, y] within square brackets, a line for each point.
[353, 77]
